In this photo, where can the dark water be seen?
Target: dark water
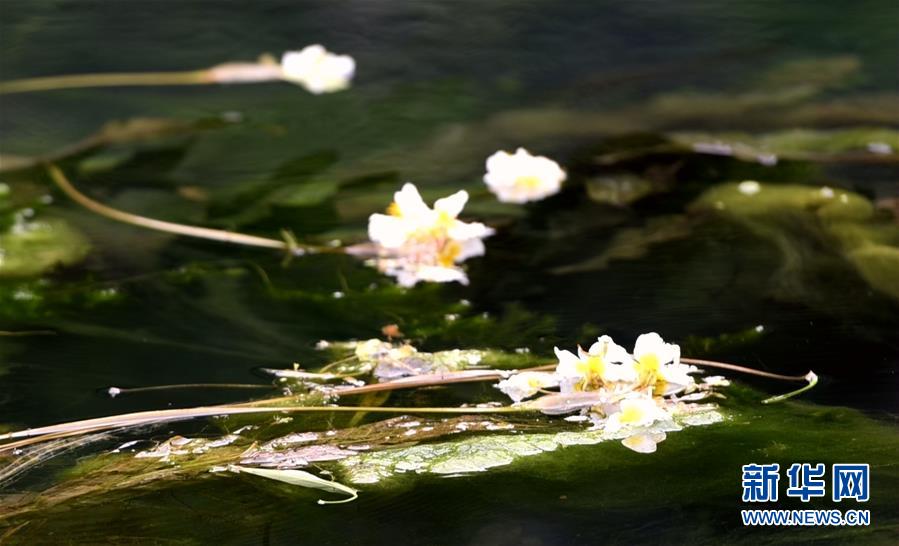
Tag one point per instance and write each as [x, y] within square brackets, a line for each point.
[439, 87]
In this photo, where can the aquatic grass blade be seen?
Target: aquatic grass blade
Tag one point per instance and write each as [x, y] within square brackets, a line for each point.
[302, 479]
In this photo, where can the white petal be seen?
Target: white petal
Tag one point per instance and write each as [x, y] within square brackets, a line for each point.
[470, 249]
[388, 231]
[442, 274]
[296, 64]
[461, 231]
[410, 203]
[453, 204]
[568, 364]
[652, 343]
[526, 384]
[642, 443]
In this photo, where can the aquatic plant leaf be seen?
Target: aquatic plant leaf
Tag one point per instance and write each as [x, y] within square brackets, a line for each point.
[622, 189]
[840, 223]
[858, 144]
[480, 453]
[129, 131]
[819, 72]
[31, 247]
[633, 243]
[300, 478]
[294, 185]
[879, 265]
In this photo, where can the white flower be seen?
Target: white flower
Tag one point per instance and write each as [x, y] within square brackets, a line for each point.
[604, 363]
[749, 187]
[417, 243]
[526, 384]
[658, 364]
[634, 413]
[317, 69]
[522, 177]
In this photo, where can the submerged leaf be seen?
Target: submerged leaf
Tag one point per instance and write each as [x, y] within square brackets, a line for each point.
[480, 453]
[300, 478]
[33, 247]
[866, 143]
[809, 225]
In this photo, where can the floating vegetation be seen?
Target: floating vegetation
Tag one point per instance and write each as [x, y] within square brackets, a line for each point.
[481, 453]
[605, 393]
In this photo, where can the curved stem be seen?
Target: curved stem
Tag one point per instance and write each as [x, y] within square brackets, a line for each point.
[812, 379]
[743, 369]
[59, 178]
[75, 81]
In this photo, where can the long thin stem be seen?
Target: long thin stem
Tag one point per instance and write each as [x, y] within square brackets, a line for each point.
[158, 416]
[74, 81]
[115, 391]
[743, 369]
[59, 178]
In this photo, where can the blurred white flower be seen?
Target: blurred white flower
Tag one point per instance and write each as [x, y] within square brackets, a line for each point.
[526, 384]
[603, 364]
[522, 177]
[417, 243]
[749, 187]
[658, 364]
[317, 69]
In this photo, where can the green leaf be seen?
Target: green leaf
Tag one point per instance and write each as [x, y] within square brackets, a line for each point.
[33, 247]
[481, 453]
[865, 143]
[809, 225]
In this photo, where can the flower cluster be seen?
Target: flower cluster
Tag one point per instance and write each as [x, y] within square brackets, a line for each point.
[415, 242]
[615, 389]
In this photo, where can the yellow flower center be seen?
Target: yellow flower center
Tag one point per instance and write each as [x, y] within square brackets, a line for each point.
[631, 414]
[444, 220]
[528, 182]
[592, 369]
[394, 210]
[649, 372]
[448, 254]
